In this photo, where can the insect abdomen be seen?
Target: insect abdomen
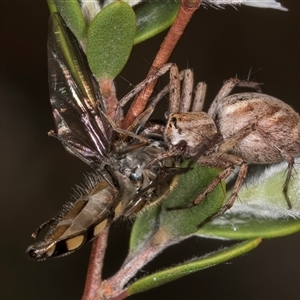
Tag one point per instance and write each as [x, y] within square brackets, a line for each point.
[77, 224]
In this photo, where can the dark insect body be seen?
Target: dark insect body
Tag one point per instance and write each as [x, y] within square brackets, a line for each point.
[120, 185]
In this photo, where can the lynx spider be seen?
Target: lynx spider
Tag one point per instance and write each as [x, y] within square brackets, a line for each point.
[238, 129]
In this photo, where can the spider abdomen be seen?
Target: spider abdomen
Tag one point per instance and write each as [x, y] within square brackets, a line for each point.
[276, 126]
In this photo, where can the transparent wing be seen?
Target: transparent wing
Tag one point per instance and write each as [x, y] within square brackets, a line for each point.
[75, 97]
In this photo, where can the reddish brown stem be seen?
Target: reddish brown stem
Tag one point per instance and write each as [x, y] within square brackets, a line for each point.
[93, 279]
[185, 13]
[112, 288]
[108, 93]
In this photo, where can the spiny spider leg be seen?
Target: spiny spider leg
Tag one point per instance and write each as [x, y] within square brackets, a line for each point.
[290, 160]
[141, 85]
[229, 203]
[174, 76]
[187, 91]
[287, 182]
[199, 97]
[174, 94]
[228, 163]
[226, 89]
[124, 132]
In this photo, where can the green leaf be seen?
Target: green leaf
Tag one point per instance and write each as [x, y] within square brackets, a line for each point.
[153, 17]
[182, 222]
[144, 227]
[71, 12]
[172, 224]
[110, 39]
[261, 209]
[51, 6]
[210, 260]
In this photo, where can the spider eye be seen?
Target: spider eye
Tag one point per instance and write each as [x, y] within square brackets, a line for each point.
[174, 121]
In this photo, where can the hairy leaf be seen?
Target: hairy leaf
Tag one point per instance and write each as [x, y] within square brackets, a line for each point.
[261, 209]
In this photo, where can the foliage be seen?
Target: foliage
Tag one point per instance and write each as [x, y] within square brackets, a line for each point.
[107, 35]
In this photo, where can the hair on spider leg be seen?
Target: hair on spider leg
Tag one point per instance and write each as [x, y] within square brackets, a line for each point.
[146, 65]
[249, 75]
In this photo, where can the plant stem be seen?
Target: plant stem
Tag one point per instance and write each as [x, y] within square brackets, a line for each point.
[113, 288]
[93, 278]
[185, 13]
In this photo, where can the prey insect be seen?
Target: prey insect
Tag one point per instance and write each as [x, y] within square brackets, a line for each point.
[134, 168]
[121, 185]
[238, 130]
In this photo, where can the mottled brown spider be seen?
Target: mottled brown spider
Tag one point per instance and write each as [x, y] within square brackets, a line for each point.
[238, 130]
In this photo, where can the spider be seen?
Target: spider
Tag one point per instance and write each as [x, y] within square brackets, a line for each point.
[238, 130]
[133, 168]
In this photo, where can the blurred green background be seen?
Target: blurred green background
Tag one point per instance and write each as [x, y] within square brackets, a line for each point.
[37, 174]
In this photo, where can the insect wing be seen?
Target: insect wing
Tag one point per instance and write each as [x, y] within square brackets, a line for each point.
[75, 98]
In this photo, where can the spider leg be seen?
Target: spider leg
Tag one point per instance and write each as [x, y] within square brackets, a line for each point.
[142, 84]
[187, 91]
[174, 93]
[229, 203]
[287, 182]
[289, 159]
[225, 161]
[226, 90]
[251, 85]
[229, 143]
[199, 97]
[176, 150]
[212, 161]
[124, 132]
[167, 89]
[231, 161]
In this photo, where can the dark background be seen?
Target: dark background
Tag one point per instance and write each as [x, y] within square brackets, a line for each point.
[37, 174]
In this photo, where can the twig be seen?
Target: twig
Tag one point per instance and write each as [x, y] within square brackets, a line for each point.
[95, 288]
[93, 279]
[185, 13]
[113, 288]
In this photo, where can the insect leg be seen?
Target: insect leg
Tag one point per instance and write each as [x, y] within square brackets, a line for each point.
[38, 230]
